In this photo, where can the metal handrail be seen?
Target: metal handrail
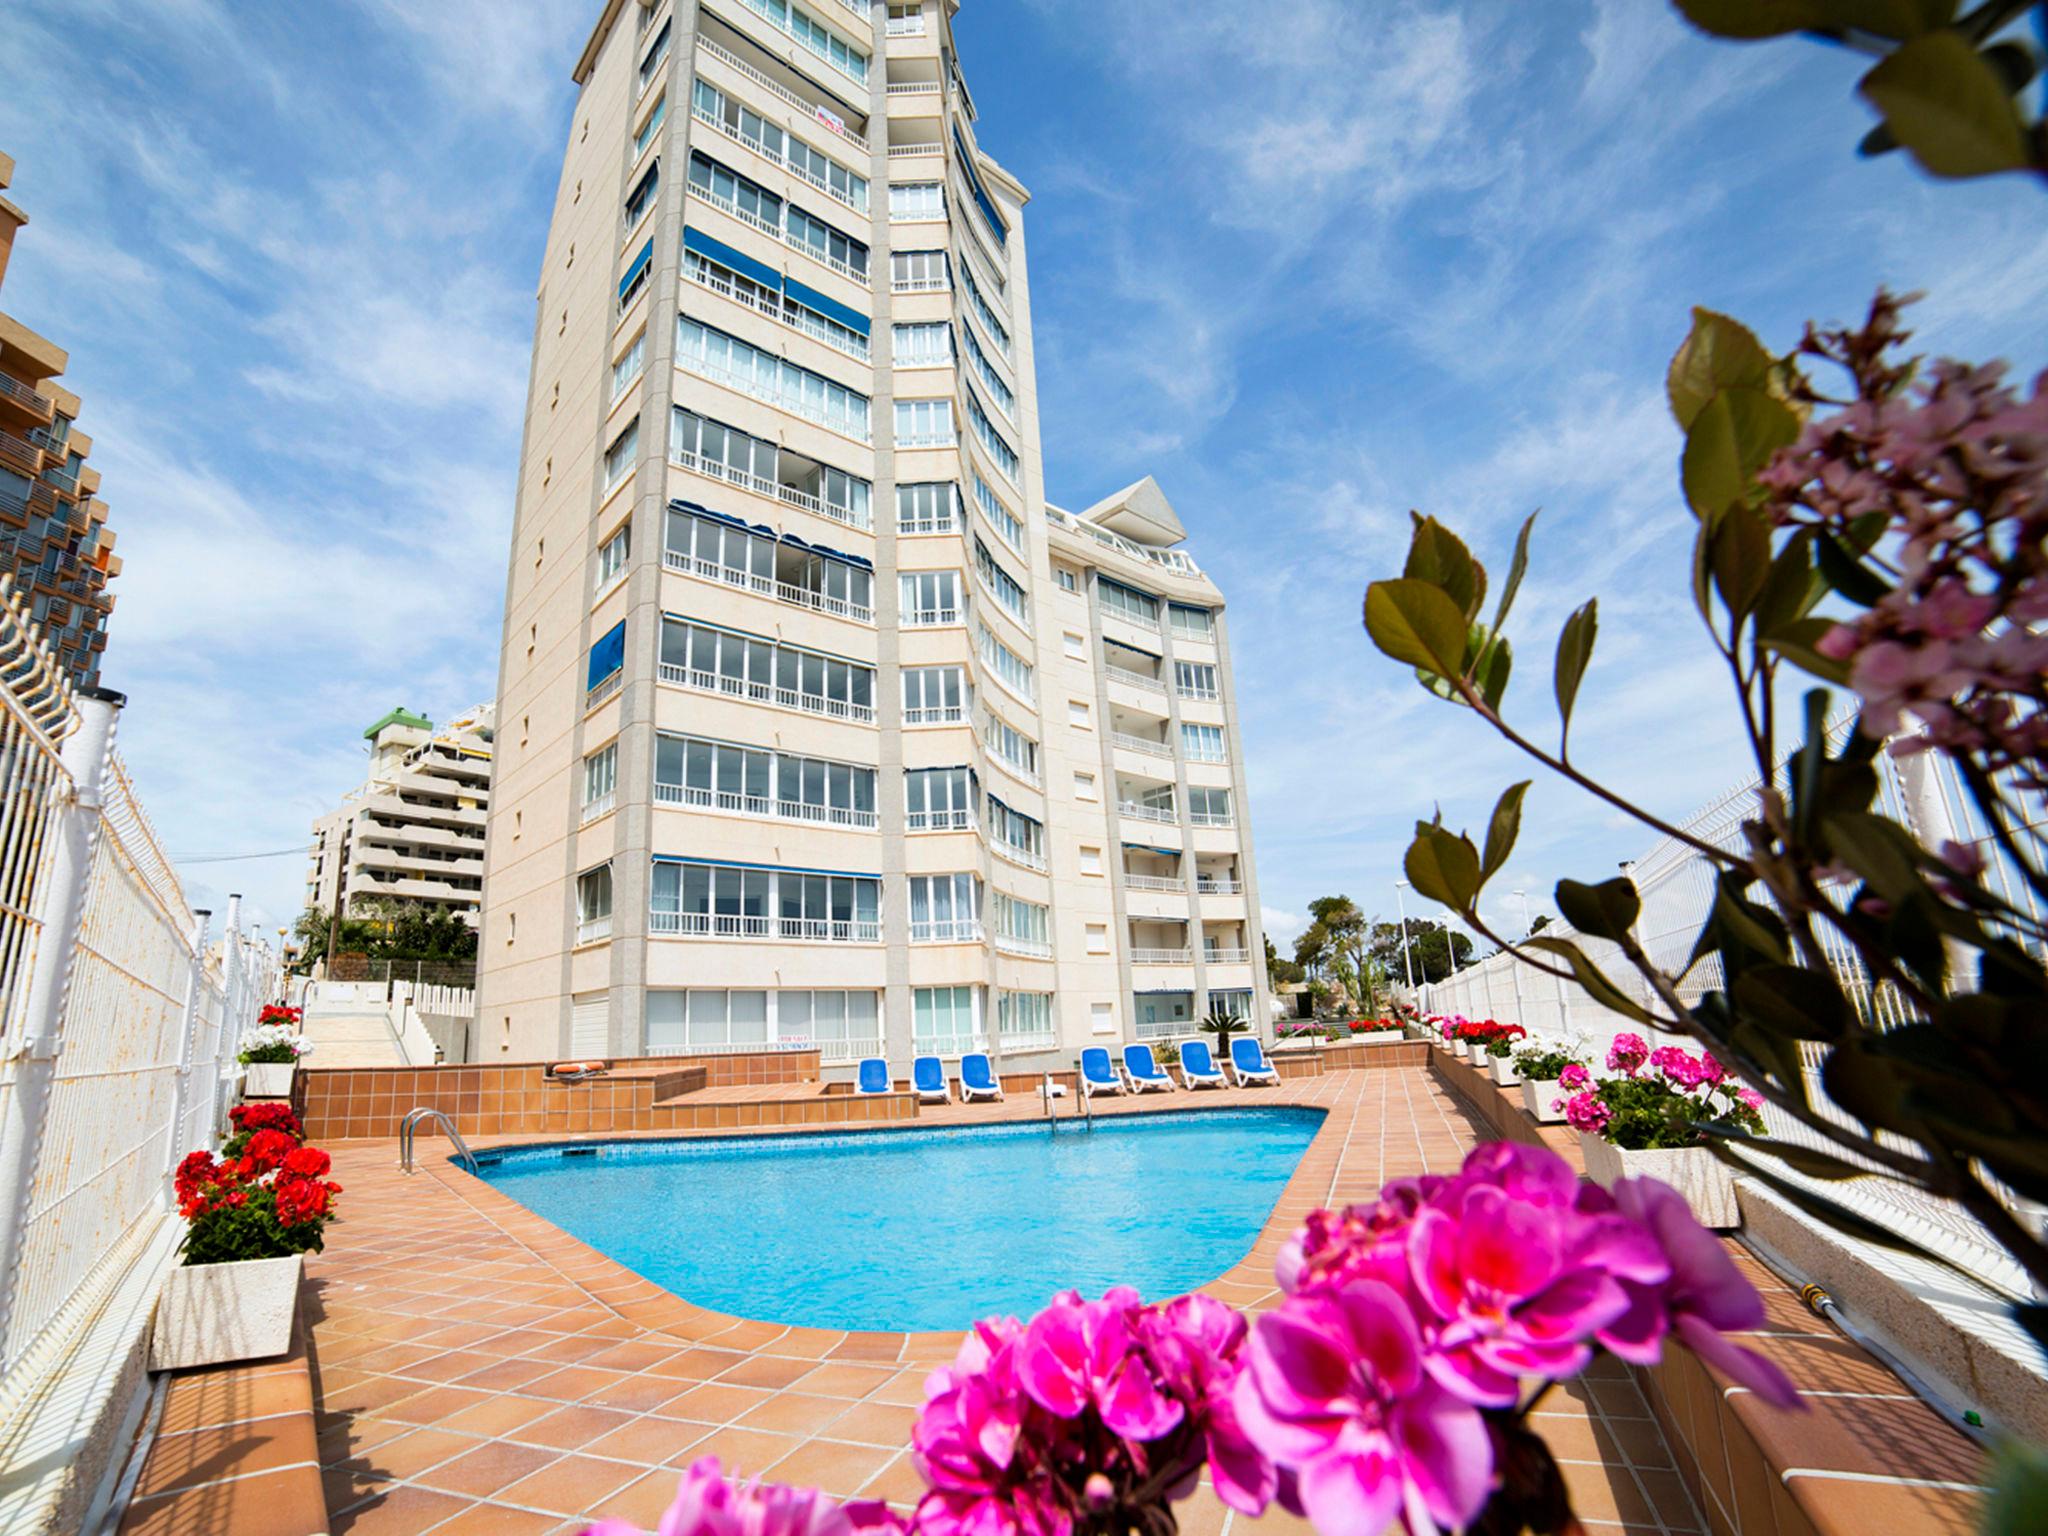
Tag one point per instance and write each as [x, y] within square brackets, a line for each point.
[405, 1133]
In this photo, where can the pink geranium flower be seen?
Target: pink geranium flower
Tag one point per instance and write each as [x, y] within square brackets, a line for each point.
[1076, 1353]
[1196, 1345]
[707, 1505]
[1586, 1112]
[1627, 1054]
[1335, 1391]
[1574, 1076]
[970, 1446]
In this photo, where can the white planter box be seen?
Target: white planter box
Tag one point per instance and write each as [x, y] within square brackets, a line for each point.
[268, 1080]
[1503, 1068]
[1476, 1054]
[1707, 1183]
[1537, 1097]
[1380, 1037]
[208, 1314]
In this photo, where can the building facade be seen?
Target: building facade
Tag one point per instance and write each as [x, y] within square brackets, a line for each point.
[54, 538]
[816, 723]
[414, 830]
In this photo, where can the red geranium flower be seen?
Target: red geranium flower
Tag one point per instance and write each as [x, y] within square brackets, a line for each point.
[307, 1162]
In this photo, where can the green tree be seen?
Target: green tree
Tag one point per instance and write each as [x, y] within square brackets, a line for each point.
[1431, 946]
[1280, 972]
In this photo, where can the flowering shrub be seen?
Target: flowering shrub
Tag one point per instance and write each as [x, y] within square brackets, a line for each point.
[1498, 1038]
[1542, 1063]
[1387, 1387]
[266, 1196]
[278, 1013]
[273, 1042]
[1642, 1110]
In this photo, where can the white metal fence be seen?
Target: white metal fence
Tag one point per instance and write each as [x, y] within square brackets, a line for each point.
[1921, 791]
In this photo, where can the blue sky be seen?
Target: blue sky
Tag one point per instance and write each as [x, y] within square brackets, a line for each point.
[1310, 272]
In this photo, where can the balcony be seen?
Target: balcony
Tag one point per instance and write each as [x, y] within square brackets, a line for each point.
[1165, 884]
[1019, 1044]
[1029, 949]
[603, 805]
[766, 806]
[1218, 885]
[1162, 957]
[781, 591]
[733, 925]
[783, 162]
[939, 821]
[777, 16]
[962, 930]
[1137, 812]
[942, 714]
[906, 26]
[40, 405]
[731, 209]
[1024, 858]
[809, 109]
[1226, 956]
[590, 930]
[604, 690]
[1212, 819]
[794, 316]
[1144, 744]
[765, 693]
[1125, 675]
[794, 495]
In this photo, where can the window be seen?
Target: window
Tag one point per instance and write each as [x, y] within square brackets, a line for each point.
[766, 377]
[945, 909]
[943, 1021]
[1208, 807]
[1091, 861]
[1007, 665]
[1075, 646]
[618, 459]
[747, 200]
[612, 555]
[982, 311]
[651, 60]
[1237, 1003]
[1068, 580]
[1202, 743]
[917, 200]
[814, 35]
[822, 171]
[940, 799]
[1077, 715]
[641, 199]
[921, 345]
[725, 551]
[594, 904]
[774, 143]
[927, 507]
[1191, 623]
[843, 1025]
[1020, 925]
[1010, 744]
[1129, 604]
[1102, 1018]
[999, 516]
[906, 20]
[1098, 941]
[1021, 836]
[767, 671]
[918, 271]
[680, 1022]
[757, 781]
[924, 424]
[600, 780]
[934, 696]
[996, 387]
[694, 900]
[712, 448]
[1024, 1017]
[628, 367]
[781, 303]
[1084, 786]
[1002, 583]
[650, 125]
[831, 245]
[929, 597]
[1004, 455]
[1194, 680]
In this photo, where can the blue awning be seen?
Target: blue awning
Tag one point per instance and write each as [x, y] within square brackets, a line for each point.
[833, 554]
[988, 207]
[736, 261]
[608, 655]
[779, 869]
[717, 517]
[1172, 853]
[830, 308]
[640, 264]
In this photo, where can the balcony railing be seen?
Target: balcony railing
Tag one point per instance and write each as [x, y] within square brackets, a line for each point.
[1226, 956]
[605, 688]
[950, 1046]
[778, 18]
[919, 285]
[591, 929]
[763, 805]
[959, 930]
[810, 111]
[767, 693]
[781, 591]
[1171, 883]
[601, 806]
[775, 488]
[727, 206]
[929, 618]
[43, 405]
[914, 151]
[918, 525]
[1168, 1029]
[1033, 949]
[1019, 856]
[795, 317]
[746, 385]
[1119, 674]
[1218, 885]
[928, 440]
[733, 925]
[939, 821]
[1162, 956]
[1147, 812]
[1196, 691]
[1032, 1040]
[906, 26]
[1211, 819]
[805, 171]
[941, 714]
[1143, 744]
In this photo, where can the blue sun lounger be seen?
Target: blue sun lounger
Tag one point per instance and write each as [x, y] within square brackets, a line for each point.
[1097, 1075]
[1197, 1068]
[977, 1079]
[872, 1076]
[928, 1078]
[1248, 1062]
[1143, 1071]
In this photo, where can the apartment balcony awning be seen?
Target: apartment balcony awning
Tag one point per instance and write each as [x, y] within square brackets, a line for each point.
[736, 260]
[695, 510]
[1171, 853]
[828, 552]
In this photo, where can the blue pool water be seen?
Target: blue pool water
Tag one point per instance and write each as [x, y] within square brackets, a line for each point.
[923, 1229]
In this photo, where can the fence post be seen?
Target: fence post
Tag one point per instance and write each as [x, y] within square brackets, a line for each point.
[62, 900]
[231, 981]
[181, 1095]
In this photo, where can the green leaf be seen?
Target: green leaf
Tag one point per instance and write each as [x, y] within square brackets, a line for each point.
[1438, 556]
[1745, 926]
[1846, 574]
[1948, 107]
[1895, 19]
[1604, 911]
[1517, 567]
[1414, 621]
[1741, 555]
[1813, 1163]
[1791, 1000]
[1503, 829]
[1574, 650]
[1490, 672]
[1882, 852]
[1718, 353]
[1792, 588]
[1749, 20]
[1732, 437]
[1591, 980]
[2018, 1505]
[1796, 642]
[1443, 865]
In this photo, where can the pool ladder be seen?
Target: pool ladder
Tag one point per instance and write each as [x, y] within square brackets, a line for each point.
[412, 1119]
[1052, 1115]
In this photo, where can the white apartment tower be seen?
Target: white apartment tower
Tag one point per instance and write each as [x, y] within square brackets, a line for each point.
[816, 722]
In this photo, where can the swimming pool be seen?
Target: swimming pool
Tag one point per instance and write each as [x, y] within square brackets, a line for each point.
[922, 1230]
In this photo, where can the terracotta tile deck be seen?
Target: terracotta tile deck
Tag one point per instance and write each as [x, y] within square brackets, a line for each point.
[477, 1369]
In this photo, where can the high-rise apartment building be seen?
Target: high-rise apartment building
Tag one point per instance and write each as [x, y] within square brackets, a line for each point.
[414, 830]
[54, 539]
[816, 722]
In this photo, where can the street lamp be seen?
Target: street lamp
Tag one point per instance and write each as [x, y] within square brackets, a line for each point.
[1407, 969]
